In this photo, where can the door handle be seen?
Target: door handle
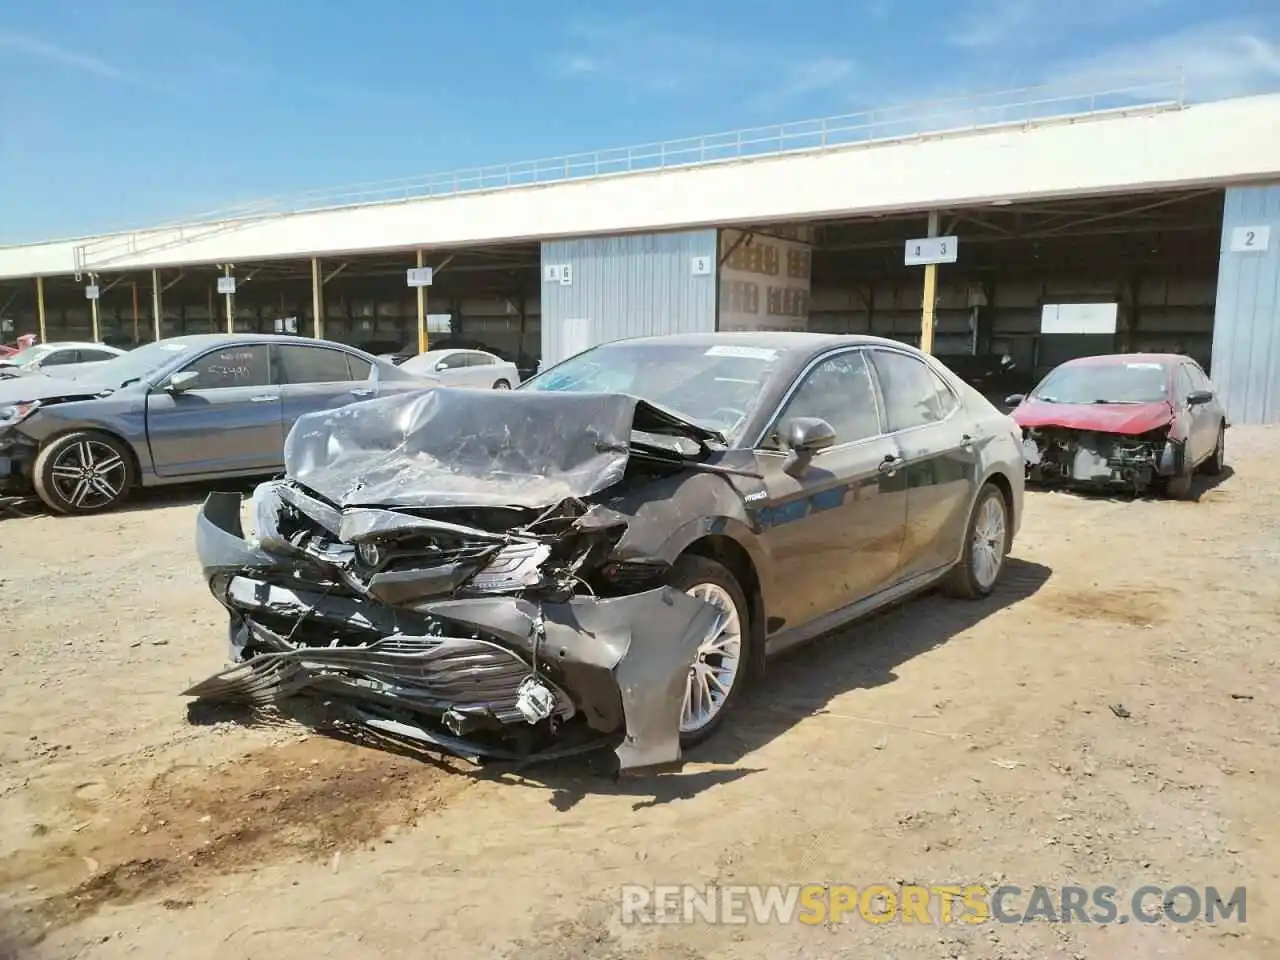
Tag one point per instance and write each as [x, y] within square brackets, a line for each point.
[890, 464]
[362, 392]
[265, 398]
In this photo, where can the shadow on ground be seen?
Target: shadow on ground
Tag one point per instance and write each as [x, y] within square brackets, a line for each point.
[798, 685]
[1203, 484]
[148, 498]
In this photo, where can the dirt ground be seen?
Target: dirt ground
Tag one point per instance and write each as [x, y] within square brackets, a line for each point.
[944, 742]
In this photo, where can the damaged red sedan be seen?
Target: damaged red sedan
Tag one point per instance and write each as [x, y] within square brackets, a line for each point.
[1140, 422]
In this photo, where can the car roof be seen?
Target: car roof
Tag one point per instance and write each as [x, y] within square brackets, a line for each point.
[784, 340]
[78, 345]
[1116, 359]
[212, 339]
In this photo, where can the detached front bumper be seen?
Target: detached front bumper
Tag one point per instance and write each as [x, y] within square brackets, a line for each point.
[498, 676]
[1086, 459]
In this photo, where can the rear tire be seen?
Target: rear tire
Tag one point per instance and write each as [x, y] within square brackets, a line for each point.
[986, 546]
[84, 472]
[502, 385]
[722, 661]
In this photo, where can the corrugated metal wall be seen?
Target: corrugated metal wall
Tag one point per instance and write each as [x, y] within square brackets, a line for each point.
[628, 286]
[1246, 332]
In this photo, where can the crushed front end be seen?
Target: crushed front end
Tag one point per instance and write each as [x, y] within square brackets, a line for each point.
[487, 629]
[1061, 456]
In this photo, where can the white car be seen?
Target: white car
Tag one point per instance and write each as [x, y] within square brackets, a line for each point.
[465, 368]
[53, 359]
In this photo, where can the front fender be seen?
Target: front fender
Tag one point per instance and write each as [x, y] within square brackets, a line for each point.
[1179, 429]
[679, 512]
[124, 419]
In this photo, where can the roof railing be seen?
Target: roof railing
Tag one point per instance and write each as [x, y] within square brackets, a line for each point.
[936, 117]
[924, 120]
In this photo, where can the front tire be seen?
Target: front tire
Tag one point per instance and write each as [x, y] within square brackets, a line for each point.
[84, 472]
[1178, 487]
[719, 670]
[1217, 462]
[986, 545]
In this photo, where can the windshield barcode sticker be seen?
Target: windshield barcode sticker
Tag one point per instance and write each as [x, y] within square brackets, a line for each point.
[742, 353]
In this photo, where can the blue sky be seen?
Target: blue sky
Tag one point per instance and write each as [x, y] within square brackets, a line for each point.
[127, 112]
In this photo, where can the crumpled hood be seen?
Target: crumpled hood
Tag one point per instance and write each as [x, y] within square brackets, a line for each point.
[37, 386]
[1130, 419]
[449, 447]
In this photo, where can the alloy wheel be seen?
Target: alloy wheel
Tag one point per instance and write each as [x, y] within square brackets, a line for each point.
[716, 666]
[988, 543]
[89, 474]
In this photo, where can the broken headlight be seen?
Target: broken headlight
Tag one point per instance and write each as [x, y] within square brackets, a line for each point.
[15, 413]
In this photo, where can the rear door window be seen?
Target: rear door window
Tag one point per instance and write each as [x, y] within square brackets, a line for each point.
[359, 368]
[299, 364]
[913, 394]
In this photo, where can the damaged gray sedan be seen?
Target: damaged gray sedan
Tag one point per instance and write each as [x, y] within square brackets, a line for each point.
[607, 554]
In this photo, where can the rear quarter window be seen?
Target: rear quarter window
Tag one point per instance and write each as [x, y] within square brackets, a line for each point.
[360, 368]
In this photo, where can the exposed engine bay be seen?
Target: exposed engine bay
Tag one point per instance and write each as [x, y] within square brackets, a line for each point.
[1059, 456]
[441, 566]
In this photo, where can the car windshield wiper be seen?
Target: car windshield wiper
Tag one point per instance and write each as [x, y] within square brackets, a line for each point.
[1118, 401]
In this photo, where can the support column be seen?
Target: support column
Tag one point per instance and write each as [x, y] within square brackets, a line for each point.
[93, 307]
[231, 303]
[422, 309]
[40, 308]
[317, 300]
[930, 293]
[156, 294]
[136, 340]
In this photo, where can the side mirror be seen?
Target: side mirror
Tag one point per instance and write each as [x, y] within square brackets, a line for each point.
[181, 381]
[1198, 397]
[1013, 399]
[805, 437]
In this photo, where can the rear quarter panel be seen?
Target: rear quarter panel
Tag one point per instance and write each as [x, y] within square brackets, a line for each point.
[999, 446]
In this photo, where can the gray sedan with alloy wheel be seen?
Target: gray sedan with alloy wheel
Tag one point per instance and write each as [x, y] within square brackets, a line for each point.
[178, 410]
[608, 553]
